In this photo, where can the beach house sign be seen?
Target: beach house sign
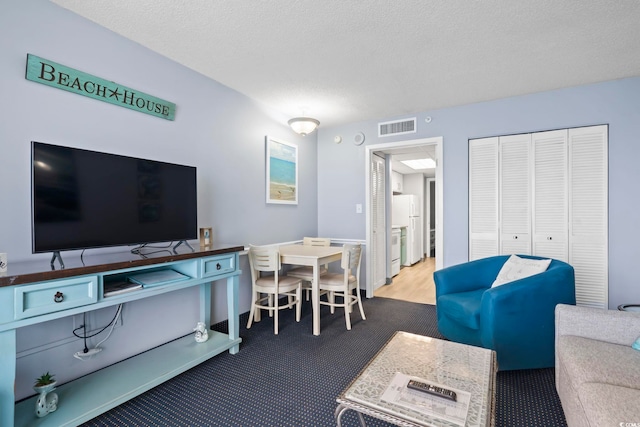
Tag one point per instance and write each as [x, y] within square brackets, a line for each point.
[56, 75]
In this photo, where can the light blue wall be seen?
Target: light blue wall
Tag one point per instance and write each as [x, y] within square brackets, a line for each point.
[216, 129]
[341, 168]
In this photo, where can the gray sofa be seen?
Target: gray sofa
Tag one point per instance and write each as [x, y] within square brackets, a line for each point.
[597, 370]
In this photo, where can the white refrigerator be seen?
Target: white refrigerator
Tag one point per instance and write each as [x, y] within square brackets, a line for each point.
[406, 212]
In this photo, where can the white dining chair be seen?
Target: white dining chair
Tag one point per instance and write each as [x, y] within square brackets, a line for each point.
[342, 285]
[306, 272]
[267, 290]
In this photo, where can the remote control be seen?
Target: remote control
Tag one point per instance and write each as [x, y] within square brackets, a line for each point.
[433, 390]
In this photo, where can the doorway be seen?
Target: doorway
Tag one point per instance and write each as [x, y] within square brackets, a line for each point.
[374, 255]
[413, 284]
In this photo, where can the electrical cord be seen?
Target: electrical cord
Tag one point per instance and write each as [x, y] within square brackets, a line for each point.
[138, 250]
[113, 325]
[84, 321]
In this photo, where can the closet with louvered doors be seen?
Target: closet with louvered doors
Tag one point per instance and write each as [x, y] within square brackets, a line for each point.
[544, 194]
[514, 189]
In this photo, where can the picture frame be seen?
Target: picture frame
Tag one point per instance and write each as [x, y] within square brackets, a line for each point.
[281, 172]
[206, 237]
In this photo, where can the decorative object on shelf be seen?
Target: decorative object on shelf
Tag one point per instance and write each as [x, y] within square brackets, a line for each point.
[303, 125]
[282, 172]
[47, 401]
[56, 75]
[3, 262]
[205, 237]
[201, 332]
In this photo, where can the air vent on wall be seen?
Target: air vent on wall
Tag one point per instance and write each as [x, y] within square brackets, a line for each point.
[397, 127]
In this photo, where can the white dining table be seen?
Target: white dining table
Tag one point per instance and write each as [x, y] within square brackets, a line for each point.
[313, 256]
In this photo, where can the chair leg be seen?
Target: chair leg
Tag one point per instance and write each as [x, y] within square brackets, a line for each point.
[270, 305]
[360, 304]
[331, 297]
[299, 303]
[253, 309]
[347, 310]
[275, 314]
[307, 291]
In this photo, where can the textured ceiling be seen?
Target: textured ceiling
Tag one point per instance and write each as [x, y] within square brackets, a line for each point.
[346, 61]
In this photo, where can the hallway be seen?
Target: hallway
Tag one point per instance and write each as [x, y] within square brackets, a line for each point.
[414, 284]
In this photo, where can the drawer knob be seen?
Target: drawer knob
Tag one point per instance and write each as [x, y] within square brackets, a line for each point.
[58, 297]
[218, 266]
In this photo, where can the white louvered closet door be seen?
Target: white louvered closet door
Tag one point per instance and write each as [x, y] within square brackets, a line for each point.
[550, 217]
[588, 214]
[378, 250]
[483, 198]
[515, 194]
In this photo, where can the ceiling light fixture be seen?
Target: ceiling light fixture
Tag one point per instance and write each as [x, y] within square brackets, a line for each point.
[303, 125]
[418, 164]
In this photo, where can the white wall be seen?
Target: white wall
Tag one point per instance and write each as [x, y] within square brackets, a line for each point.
[414, 184]
[216, 129]
[614, 103]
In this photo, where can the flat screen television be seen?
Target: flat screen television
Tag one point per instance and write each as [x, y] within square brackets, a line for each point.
[86, 199]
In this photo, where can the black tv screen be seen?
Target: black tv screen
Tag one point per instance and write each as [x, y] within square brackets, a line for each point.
[86, 199]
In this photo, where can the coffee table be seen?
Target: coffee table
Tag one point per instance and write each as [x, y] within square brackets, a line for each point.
[471, 371]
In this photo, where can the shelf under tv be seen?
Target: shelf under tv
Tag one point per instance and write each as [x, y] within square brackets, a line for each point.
[31, 299]
[96, 393]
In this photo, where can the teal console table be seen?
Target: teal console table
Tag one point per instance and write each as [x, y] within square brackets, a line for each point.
[31, 293]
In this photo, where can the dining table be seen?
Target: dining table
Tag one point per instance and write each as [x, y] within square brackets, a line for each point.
[313, 256]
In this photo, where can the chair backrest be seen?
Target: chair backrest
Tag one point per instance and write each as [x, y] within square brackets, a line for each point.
[264, 259]
[316, 241]
[351, 256]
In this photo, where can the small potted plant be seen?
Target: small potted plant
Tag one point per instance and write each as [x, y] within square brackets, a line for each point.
[44, 380]
[47, 401]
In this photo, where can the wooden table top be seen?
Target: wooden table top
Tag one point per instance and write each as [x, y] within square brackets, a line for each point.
[22, 272]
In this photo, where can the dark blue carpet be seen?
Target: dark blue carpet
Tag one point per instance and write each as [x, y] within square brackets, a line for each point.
[293, 378]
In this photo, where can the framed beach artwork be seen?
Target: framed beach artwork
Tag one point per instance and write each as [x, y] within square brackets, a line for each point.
[282, 172]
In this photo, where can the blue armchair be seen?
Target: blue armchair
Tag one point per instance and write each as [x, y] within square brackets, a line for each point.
[515, 319]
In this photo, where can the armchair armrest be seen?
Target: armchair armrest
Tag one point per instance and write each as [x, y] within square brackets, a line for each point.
[529, 300]
[616, 327]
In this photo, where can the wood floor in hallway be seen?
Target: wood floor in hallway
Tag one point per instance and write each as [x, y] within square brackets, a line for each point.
[414, 284]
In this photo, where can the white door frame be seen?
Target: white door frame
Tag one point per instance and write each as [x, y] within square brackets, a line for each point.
[370, 149]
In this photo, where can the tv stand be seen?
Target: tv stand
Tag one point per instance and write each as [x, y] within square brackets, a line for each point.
[31, 293]
[56, 254]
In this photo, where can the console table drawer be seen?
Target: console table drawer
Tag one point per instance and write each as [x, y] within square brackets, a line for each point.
[218, 265]
[49, 297]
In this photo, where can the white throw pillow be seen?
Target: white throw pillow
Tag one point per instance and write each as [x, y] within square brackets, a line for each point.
[517, 268]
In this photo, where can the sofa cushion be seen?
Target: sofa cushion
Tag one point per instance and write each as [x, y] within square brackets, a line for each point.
[591, 361]
[516, 268]
[463, 307]
[606, 404]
